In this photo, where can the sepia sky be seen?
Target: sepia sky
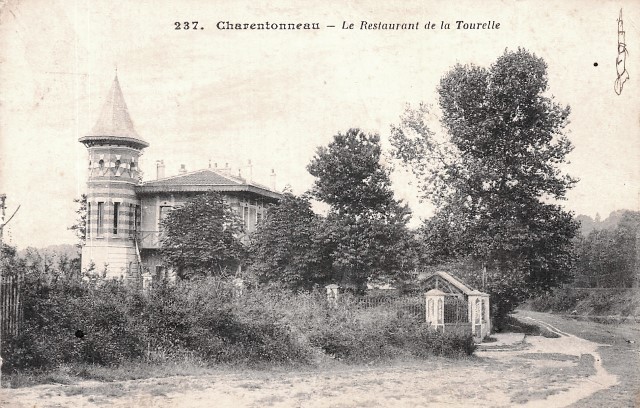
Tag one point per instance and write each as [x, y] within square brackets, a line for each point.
[272, 97]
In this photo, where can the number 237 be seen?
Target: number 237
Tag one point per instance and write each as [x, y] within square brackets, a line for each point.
[193, 25]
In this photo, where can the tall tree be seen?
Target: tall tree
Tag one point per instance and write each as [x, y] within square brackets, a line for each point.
[202, 237]
[366, 226]
[495, 176]
[287, 247]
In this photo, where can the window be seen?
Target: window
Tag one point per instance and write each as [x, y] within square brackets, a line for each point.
[136, 219]
[252, 219]
[164, 211]
[87, 227]
[117, 164]
[100, 218]
[116, 208]
[130, 214]
[101, 164]
[258, 218]
[245, 217]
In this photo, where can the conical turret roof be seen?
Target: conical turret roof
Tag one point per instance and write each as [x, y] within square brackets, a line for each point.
[114, 123]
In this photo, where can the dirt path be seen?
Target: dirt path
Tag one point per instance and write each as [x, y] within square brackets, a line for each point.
[620, 356]
[542, 372]
[570, 344]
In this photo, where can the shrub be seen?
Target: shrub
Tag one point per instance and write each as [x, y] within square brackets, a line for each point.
[202, 320]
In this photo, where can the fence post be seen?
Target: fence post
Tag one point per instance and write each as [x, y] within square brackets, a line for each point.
[333, 293]
[146, 281]
[434, 300]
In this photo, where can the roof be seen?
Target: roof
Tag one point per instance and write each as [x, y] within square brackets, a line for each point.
[204, 180]
[453, 282]
[114, 123]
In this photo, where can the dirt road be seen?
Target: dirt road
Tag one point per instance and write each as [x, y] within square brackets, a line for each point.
[550, 372]
[619, 354]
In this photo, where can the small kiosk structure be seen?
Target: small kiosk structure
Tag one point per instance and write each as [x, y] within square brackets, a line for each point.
[452, 305]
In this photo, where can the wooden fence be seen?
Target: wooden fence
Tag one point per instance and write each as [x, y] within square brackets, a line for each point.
[10, 306]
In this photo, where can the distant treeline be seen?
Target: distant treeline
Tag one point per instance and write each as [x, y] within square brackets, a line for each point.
[607, 251]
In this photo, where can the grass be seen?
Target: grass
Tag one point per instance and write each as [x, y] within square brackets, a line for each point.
[512, 324]
[550, 356]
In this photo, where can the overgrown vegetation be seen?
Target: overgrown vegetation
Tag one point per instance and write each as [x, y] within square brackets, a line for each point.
[606, 257]
[604, 271]
[202, 237]
[287, 247]
[602, 302]
[78, 323]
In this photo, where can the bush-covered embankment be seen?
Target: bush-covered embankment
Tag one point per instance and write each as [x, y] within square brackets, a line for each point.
[109, 324]
[590, 302]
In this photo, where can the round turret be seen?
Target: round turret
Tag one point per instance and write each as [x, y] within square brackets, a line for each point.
[113, 209]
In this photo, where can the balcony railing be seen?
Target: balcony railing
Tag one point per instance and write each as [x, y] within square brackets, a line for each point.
[149, 239]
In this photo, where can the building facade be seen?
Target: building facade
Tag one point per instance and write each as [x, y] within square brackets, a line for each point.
[124, 213]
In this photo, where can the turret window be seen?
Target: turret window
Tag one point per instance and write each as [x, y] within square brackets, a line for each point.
[100, 218]
[117, 164]
[116, 208]
[101, 164]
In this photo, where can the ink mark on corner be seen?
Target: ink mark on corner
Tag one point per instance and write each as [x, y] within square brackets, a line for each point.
[621, 59]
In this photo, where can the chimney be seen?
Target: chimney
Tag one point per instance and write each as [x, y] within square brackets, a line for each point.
[226, 170]
[273, 180]
[183, 169]
[250, 171]
[159, 169]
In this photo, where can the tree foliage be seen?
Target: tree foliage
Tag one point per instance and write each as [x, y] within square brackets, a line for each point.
[495, 178]
[608, 257]
[286, 247]
[202, 238]
[80, 227]
[366, 227]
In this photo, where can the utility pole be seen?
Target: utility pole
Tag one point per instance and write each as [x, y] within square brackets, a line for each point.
[484, 275]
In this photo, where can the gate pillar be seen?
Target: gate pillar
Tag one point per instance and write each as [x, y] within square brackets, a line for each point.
[435, 308]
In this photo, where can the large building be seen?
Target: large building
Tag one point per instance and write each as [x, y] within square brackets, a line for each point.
[124, 212]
